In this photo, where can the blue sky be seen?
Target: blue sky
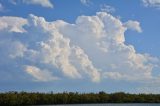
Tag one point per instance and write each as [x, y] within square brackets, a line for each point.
[80, 45]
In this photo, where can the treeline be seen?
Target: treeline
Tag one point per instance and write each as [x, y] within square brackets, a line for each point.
[24, 98]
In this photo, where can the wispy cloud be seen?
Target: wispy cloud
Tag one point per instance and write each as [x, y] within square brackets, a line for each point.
[13, 1]
[107, 8]
[43, 3]
[2, 9]
[40, 75]
[85, 2]
[151, 3]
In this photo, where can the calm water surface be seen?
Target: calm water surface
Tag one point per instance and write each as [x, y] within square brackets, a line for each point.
[107, 105]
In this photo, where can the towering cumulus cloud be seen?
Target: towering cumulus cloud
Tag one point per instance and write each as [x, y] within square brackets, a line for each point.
[93, 48]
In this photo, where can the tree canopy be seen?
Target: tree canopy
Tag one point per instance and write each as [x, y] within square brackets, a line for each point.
[36, 98]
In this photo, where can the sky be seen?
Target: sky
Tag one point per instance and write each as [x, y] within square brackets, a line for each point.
[80, 45]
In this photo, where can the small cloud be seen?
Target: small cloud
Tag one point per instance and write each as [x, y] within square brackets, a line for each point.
[13, 2]
[43, 3]
[85, 2]
[113, 75]
[152, 3]
[40, 75]
[107, 8]
[133, 25]
[12, 24]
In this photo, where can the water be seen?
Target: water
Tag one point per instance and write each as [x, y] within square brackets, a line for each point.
[107, 105]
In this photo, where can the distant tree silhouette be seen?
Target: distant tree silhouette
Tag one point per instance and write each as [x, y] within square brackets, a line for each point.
[24, 98]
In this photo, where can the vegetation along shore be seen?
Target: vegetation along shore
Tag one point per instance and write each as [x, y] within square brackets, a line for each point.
[36, 98]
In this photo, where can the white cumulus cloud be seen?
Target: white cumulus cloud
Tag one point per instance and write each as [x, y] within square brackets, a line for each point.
[92, 48]
[133, 25]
